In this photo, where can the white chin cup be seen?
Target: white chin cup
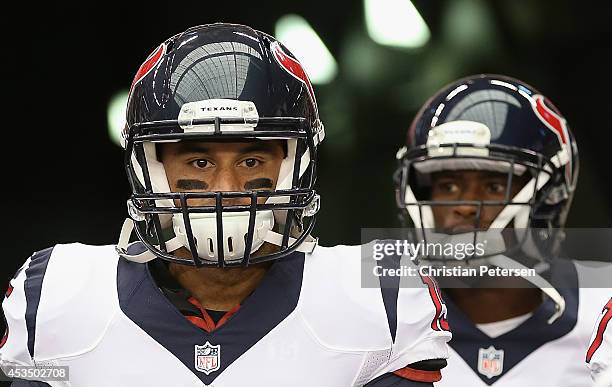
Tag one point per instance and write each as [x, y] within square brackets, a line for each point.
[235, 229]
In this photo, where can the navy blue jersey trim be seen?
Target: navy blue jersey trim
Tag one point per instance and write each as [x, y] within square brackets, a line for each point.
[136, 248]
[32, 289]
[527, 337]
[274, 299]
[389, 288]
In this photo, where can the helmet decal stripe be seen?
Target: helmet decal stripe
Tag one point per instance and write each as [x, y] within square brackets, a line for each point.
[152, 61]
[557, 124]
[293, 67]
[550, 118]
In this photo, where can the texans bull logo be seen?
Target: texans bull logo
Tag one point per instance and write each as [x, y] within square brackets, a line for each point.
[557, 124]
[149, 64]
[293, 67]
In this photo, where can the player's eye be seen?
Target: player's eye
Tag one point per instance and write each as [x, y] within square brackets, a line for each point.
[445, 189]
[250, 163]
[449, 187]
[201, 164]
[496, 188]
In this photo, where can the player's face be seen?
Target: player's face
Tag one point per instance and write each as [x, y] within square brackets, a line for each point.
[470, 185]
[222, 166]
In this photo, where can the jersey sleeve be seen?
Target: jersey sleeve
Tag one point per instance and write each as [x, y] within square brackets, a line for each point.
[599, 353]
[14, 344]
[20, 307]
[422, 331]
[419, 346]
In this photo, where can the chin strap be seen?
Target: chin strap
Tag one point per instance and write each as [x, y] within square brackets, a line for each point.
[307, 246]
[144, 257]
[507, 263]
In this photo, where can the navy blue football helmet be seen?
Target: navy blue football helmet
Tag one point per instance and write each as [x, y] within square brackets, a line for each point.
[494, 123]
[221, 82]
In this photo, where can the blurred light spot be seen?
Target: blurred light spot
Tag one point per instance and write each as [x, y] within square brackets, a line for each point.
[364, 62]
[468, 26]
[115, 115]
[395, 23]
[302, 40]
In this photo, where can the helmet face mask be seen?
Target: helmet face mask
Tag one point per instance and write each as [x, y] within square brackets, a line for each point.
[495, 124]
[195, 93]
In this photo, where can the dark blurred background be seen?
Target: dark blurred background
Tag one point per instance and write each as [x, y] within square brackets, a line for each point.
[63, 176]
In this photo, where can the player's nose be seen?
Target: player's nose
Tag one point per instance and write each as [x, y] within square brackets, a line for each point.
[227, 180]
[469, 207]
[466, 210]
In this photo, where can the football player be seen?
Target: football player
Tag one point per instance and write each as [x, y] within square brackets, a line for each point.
[224, 286]
[599, 354]
[489, 155]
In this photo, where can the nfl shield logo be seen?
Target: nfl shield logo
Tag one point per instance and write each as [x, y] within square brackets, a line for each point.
[490, 361]
[207, 357]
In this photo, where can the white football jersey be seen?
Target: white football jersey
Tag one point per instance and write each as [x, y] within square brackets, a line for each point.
[536, 353]
[599, 354]
[308, 323]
